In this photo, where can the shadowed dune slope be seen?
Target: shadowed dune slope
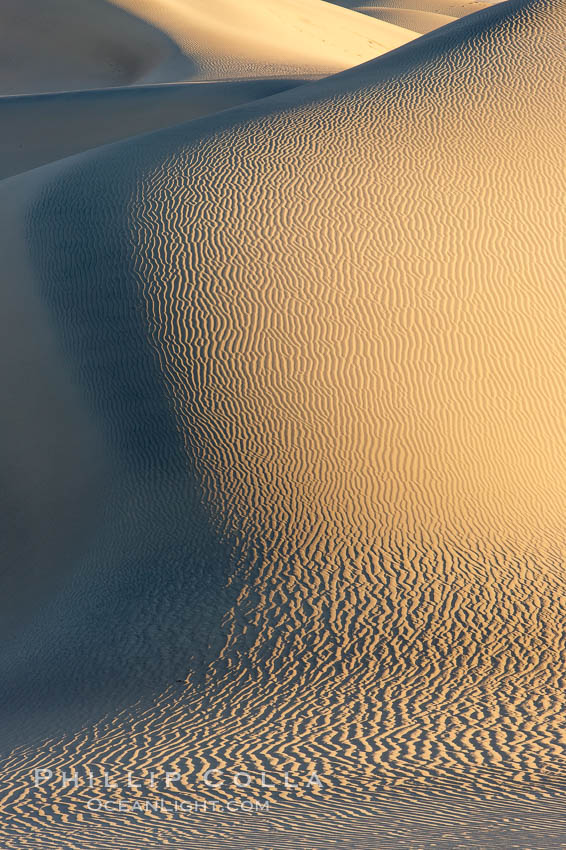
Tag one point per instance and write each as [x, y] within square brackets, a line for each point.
[42, 128]
[75, 44]
[61, 45]
[338, 313]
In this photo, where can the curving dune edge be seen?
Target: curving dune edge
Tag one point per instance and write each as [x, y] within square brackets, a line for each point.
[301, 358]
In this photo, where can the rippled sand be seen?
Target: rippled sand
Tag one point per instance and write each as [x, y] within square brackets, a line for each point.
[318, 341]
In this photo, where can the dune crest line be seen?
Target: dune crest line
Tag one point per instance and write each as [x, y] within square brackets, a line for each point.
[321, 338]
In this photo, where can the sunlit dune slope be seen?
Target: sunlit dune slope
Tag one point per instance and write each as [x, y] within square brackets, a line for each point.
[417, 19]
[337, 316]
[231, 38]
[61, 45]
[452, 8]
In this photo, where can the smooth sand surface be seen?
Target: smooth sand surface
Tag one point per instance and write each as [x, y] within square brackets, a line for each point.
[89, 44]
[453, 8]
[415, 19]
[235, 38]
[419, 15]
[53, 465]
[319, 342]
[78, 44]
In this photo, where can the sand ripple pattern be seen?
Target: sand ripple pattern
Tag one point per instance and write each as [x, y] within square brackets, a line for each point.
[358, 364]
[354, 295]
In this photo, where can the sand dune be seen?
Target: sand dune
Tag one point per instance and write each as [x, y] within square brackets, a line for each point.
[42, 128]
[78, 44]
[414, 19]
[320, 340]
[452, 8]
[108, 66]
[52, 462]
[233, 39]
[419, 15]
[89, 44]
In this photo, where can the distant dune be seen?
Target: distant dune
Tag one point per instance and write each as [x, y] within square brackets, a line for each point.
[76, 75]
[417, 20]
[89, 44]
[227, 39]
[107, 66]
[419, 15]
[318, 340]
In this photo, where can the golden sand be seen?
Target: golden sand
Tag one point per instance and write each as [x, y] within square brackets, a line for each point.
[350, 298]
